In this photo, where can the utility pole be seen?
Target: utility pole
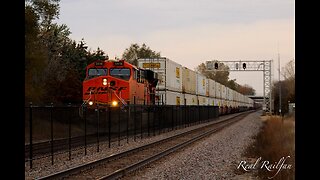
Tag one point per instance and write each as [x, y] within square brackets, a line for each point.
[279, 82]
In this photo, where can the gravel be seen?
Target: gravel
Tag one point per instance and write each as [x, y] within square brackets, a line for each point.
[215, 157]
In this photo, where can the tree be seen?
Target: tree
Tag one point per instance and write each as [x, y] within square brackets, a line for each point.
[287, 88]
[98, 54]
[47, 10]
[54, 64]
[220, 76]
[289, 82]
[134, 52]
[233, 85]
[246, 90]
[288, 72]
[35, 57]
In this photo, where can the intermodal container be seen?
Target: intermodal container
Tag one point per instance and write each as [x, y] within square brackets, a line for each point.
[188, 81]
[169, 73]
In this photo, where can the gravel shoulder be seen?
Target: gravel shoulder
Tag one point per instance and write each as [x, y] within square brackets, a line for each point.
[215, 157]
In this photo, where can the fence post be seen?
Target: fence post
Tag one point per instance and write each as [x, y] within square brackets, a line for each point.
[128, 123]
[208, 108]
[172, 123]
[85, 129]
[148, 110]
[185, 113]
[142, 110]
[109, 125]
[119, 118]
[186, 117]
[176, 118]
[98, 122]
[141, 117]
[30, 134]
[199, 115]
[134, 117]
[69, 124]
[51, 129]
[154, 118]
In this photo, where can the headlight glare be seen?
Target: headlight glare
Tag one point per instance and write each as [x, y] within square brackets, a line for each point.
[104, 82]
[114, 103]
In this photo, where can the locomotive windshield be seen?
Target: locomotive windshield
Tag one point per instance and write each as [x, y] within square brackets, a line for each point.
[122, 73]
[94, 72]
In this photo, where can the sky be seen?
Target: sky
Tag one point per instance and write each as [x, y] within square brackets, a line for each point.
[189, 32]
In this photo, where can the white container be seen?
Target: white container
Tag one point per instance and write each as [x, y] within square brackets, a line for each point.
[218, 90]
[207, 87]
[236, 104]
[201, 85]
[241, 99]
[169, 73]
[227, 103]
[230, 94]
[170, 98]
[191, 99]
[223, 92]
[212, 88]
[235, 96]
[224, 102]
[216, 102]
[203, 100]
[213, 101]
[219, 102]
[251, 102]
[189, 84]
[227, 92]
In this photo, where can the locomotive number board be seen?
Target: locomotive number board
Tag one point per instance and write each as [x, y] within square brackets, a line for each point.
[120, 63]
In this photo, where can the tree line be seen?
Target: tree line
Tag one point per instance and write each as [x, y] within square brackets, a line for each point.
[54, 63]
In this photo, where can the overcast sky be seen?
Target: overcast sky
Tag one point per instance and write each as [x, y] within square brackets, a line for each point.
[188, 31]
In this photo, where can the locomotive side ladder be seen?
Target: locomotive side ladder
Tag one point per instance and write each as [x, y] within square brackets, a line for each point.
[122, 100]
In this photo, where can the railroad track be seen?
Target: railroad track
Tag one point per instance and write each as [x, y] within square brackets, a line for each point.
[118, 165]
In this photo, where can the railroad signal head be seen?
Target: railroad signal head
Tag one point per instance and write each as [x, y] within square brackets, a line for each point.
[244, 65]
[216, 65]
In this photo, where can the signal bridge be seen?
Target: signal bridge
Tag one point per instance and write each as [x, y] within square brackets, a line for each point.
[249, 65]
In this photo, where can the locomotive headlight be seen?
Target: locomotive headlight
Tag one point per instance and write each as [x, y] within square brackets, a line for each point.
[104, 82]
[90, 103]
[114, 103]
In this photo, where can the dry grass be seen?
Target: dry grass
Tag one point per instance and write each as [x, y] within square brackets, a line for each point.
[275, 140]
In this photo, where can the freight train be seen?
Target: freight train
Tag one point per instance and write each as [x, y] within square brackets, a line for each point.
[179, 85]
[158, 81]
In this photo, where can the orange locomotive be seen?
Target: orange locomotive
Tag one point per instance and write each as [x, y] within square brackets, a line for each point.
[118, 83]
